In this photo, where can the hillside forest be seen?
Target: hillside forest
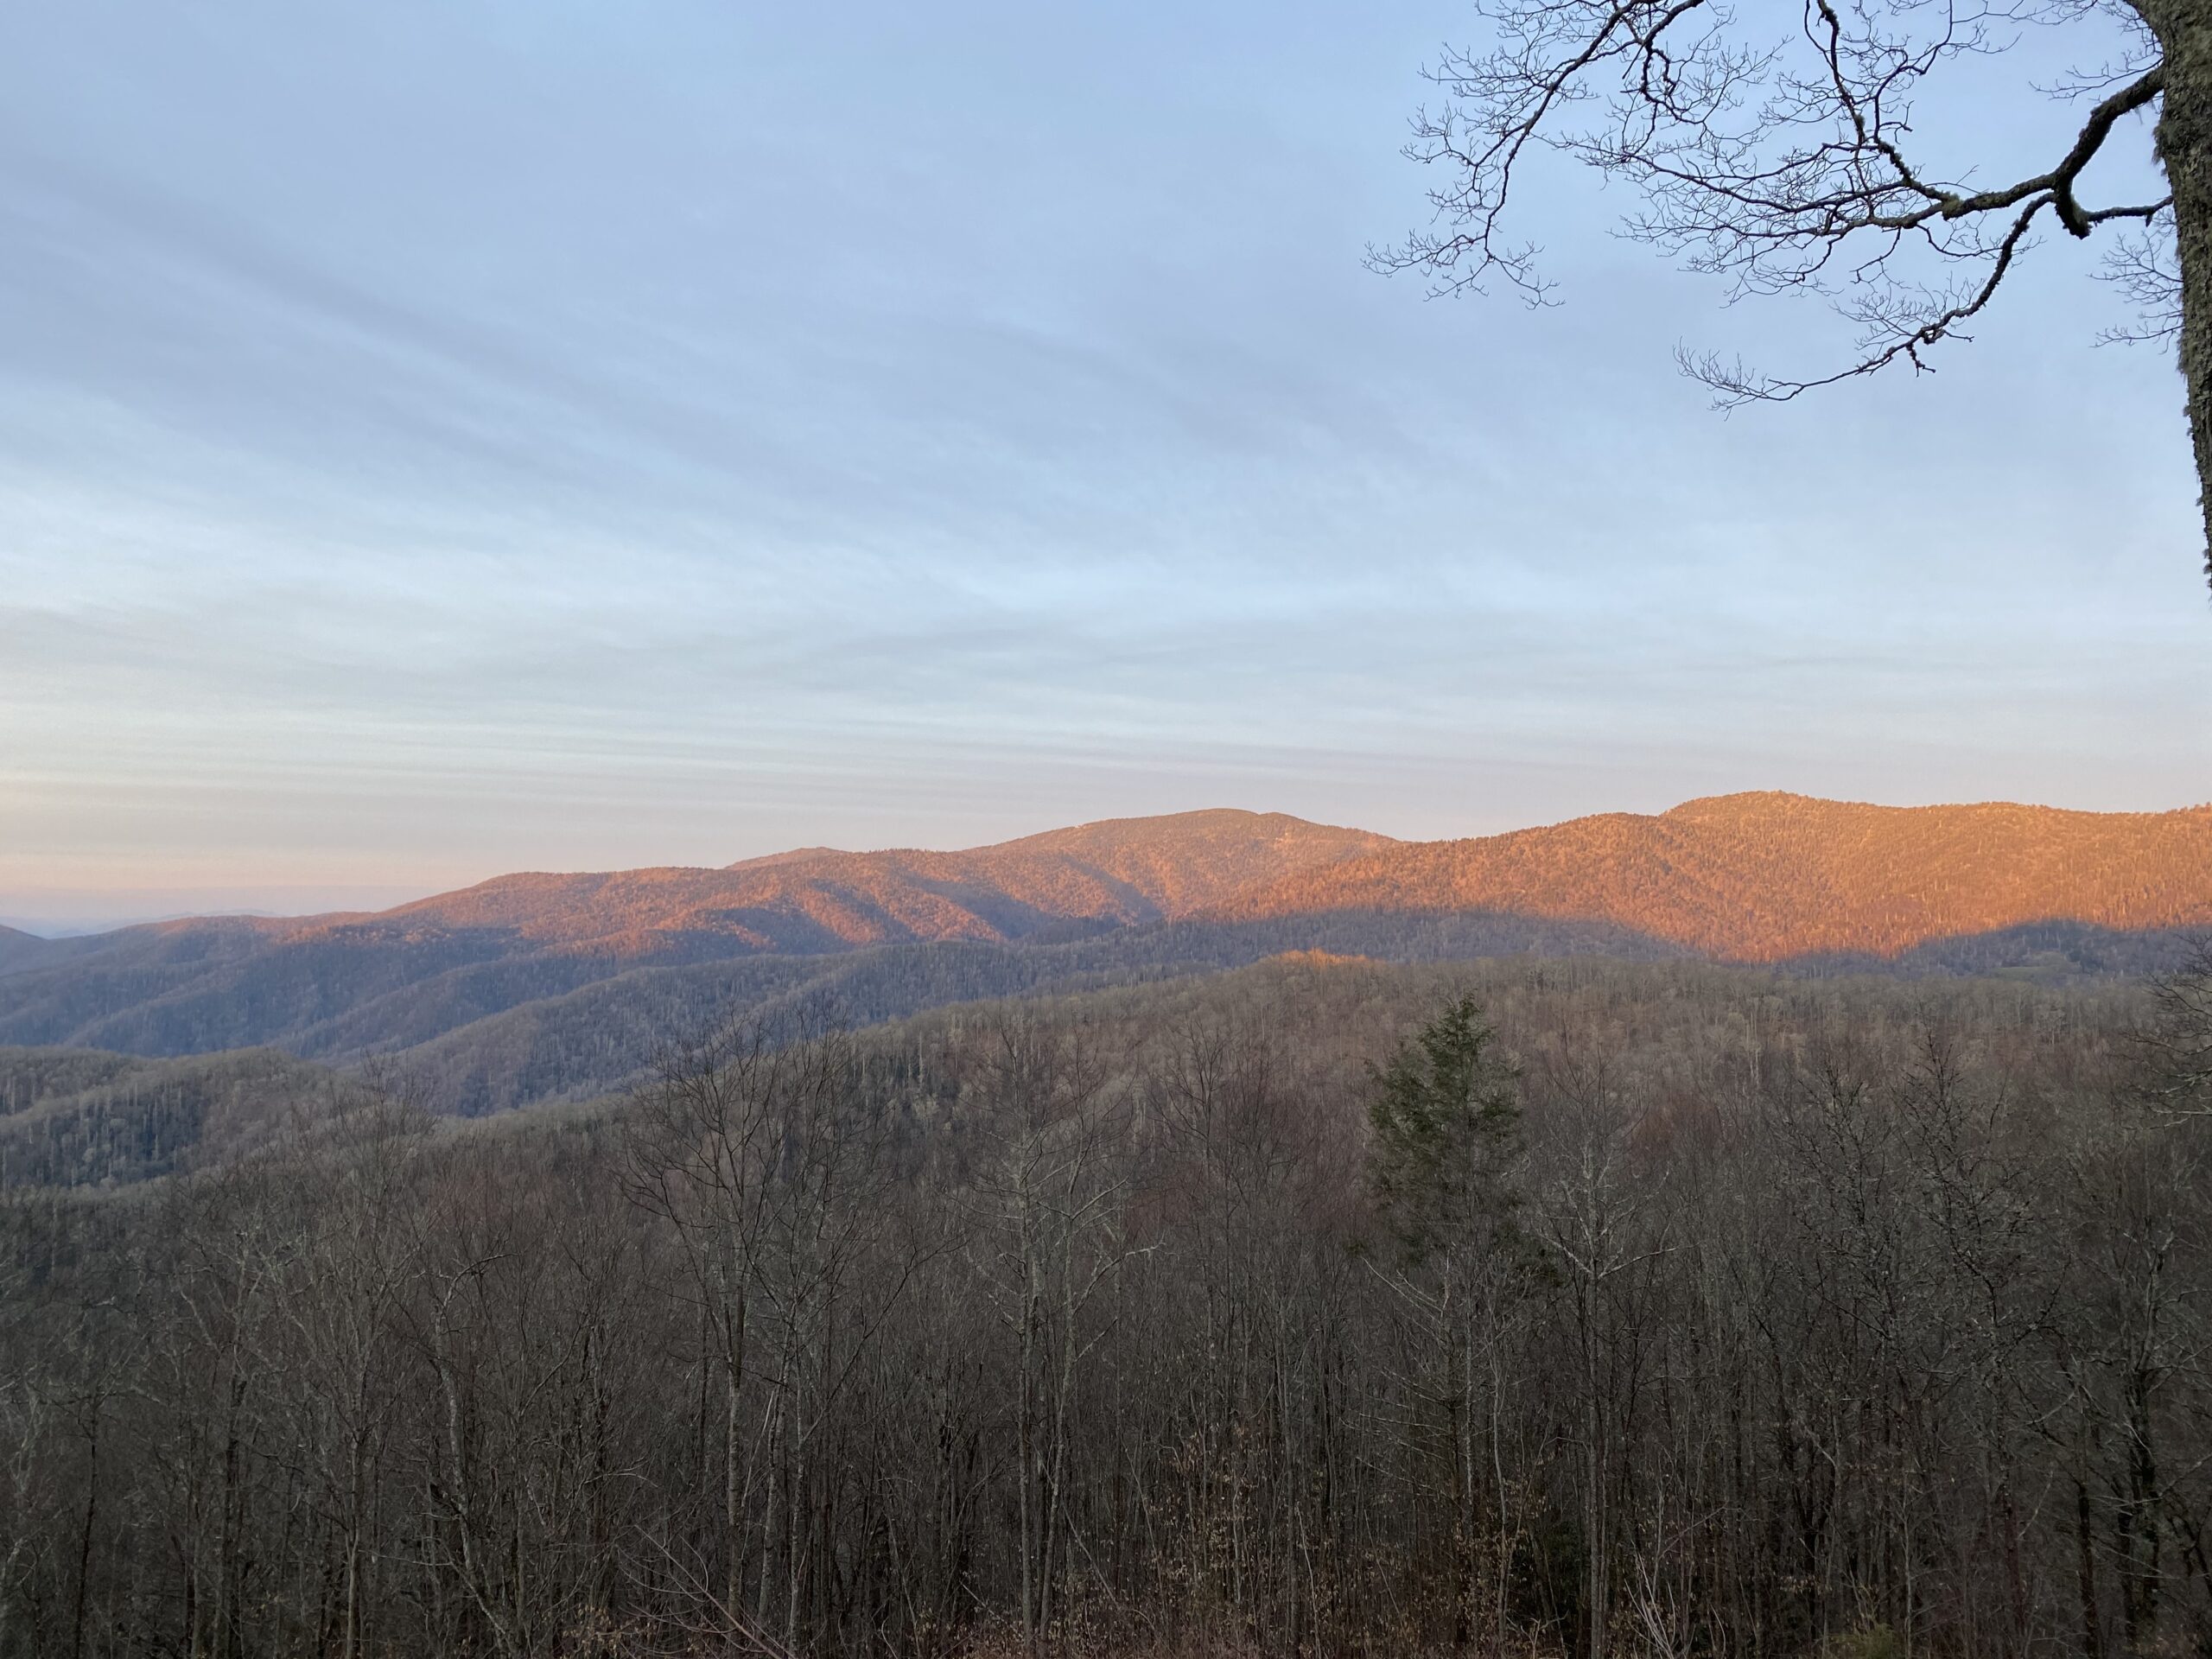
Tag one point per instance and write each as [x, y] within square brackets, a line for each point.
[1321, 1306]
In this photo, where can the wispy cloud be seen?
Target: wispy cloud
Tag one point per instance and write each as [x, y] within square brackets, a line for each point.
[439, 439]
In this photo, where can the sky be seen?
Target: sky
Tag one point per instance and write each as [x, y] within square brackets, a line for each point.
[442, 439]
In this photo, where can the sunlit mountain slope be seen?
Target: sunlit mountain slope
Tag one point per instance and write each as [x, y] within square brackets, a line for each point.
[1769, 877]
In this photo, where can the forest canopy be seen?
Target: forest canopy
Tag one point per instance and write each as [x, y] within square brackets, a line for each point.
[1567, 1308]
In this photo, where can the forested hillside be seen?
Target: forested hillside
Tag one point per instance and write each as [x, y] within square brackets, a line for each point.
[1109, 874]
[21, 950]
[1556, 1308]
[349, 985]
[73, 1117]
[1772, 877]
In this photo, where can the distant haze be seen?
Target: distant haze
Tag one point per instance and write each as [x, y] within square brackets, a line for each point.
[93, 910]
[438, 440]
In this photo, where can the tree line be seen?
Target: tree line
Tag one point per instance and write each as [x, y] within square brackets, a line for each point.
[1579, 1309]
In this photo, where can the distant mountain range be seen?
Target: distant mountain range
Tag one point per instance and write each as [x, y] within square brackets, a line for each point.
[532, 986]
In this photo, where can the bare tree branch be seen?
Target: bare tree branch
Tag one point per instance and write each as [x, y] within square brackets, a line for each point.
[1782, 167]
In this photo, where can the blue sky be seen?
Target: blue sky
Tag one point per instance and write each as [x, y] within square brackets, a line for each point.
[442, 439]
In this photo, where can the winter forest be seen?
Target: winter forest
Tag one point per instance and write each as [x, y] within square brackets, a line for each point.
[1579, 1309]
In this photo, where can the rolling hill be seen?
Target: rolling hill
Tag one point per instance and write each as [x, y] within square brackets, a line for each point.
[531, 986]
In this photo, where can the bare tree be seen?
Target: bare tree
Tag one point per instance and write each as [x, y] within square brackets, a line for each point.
[2178, 1039]
[1781, 153]
[1048, 1197]
[703, 1143]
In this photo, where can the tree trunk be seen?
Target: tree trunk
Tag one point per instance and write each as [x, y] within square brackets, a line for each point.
[2093, 1641]
[736, 1494]
[2184, 138]
[85, 1542]
[733, 1495]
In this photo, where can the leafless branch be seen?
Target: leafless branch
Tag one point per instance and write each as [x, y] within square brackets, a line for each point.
[1779, 166]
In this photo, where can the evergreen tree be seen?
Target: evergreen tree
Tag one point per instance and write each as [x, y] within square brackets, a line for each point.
[1446, 1121]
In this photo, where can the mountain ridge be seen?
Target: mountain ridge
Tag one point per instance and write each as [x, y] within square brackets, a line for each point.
[1112, 872]
[1767, 876]
[1763, 878]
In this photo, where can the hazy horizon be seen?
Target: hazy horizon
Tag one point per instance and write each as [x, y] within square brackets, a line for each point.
[436, 442]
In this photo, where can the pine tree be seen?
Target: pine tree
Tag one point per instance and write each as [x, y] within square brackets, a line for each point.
[1446, 1121]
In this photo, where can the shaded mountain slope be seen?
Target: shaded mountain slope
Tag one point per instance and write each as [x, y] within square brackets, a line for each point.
[604, 1035]
[79, 1117]
[21, 950]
